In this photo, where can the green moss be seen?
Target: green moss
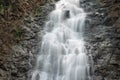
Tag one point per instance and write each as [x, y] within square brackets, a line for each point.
[38, 11]
[1, 8]
[19, 34]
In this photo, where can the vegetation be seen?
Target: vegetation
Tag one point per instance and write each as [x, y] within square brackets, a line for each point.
[19, 34]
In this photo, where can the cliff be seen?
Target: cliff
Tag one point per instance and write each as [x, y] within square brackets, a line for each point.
[21, 30]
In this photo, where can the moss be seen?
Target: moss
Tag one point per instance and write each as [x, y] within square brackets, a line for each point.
[19, 34]
[1, 8]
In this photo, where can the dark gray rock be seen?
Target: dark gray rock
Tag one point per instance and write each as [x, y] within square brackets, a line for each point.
[103, 40]
[109, 21]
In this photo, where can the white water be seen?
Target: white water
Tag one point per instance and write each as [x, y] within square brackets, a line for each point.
[63, 55]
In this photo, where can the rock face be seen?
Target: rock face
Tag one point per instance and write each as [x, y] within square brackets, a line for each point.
[102, 34]
[21, 61]
[27, 50]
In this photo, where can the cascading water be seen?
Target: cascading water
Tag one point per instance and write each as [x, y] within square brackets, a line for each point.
[63, 55]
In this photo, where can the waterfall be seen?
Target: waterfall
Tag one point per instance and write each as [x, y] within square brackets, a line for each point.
[63, 55]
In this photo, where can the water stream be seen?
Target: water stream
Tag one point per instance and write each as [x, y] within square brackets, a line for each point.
[63, 54]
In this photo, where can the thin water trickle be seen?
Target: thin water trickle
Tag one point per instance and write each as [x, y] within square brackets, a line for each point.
[63, 54]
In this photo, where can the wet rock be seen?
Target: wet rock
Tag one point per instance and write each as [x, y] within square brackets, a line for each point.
[99, 78]
[109, 21]
[116, 1]
[67, 14]
[103, 40]
[1, 42]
